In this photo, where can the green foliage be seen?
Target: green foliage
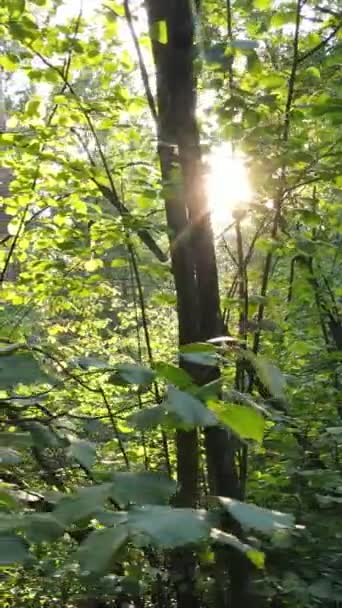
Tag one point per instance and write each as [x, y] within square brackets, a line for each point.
[93, 390]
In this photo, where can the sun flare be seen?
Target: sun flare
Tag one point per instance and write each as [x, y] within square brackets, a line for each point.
[227, 185]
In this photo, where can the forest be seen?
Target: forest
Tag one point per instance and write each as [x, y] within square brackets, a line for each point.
[170, 303]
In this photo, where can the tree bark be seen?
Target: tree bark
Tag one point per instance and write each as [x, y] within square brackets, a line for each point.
[193, 260]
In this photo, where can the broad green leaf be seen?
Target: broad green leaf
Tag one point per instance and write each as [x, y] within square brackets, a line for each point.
[263, 5]
[167, 527]
[93, 264]
[110, 518]
[334, 430]
[269, 374]
[7, 501]
[89, 362]
[97, 552]
[208, 391]
[282, 17]
[148, 418]
[142, 488]
[9, 456]
[13, 550]
[18, 440]
[20, 368]
[159, 32]
[132, 373]
[198, 347]
[273, 81]
[82, 504]
[313, 71]
[256, 557]
[41, 527]
[251, 516]
[190, 411]
[200, 353]
[8, 63]
[198, 358]
[42, 436]
[174, 375]
[83, 451]
[33, 108]
[243, 420]
[9, 522]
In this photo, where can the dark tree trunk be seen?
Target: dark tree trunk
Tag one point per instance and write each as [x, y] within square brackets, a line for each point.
[193, 258]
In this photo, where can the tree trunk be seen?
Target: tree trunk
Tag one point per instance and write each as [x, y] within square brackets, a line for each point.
[192, 253]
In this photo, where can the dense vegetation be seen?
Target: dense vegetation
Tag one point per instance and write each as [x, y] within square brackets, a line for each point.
[170, 414]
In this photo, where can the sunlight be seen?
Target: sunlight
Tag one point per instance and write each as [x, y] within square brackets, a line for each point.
[227, 185]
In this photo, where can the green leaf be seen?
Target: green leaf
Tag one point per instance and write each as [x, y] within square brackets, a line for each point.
[243, 420]
[269, 374]
[251, 516]
[83, 451]
[273, 81]
[209, 391]
[198, 347]
[9, 522]
[9, 63]
[263, 5]
[283, 17]
[167, 527]
[20, 368]
[96, 553]
[18, 440]
[9, 456]
[41, 527]
[200, 353]
[110, 518]
[190, 411]
[32, 108]
[313, 72]
[207, 359]
[7, 501]
[142, 488]
[82, 504]
[174, 375]
[13, 550]
[148, 418]
[93, 264]
[92, 362]
[132, 373]
[255, 556]
[42, 436]
[159, 32]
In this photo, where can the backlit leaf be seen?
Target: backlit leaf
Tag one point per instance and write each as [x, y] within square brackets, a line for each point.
[257, 518]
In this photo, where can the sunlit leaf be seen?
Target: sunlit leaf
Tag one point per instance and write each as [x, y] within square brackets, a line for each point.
[256, 557]
[243, 420]
[257, 518]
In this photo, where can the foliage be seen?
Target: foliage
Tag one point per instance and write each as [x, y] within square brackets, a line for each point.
[93, 388]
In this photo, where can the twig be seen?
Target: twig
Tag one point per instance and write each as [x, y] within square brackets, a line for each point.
[321, 44]
[142, 67]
